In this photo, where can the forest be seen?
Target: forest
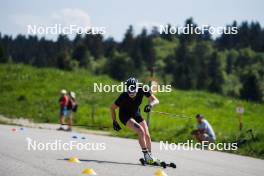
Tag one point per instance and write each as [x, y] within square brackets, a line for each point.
[231, 65]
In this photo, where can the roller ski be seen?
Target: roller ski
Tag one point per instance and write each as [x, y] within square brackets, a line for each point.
[157, 163]
[149, 160]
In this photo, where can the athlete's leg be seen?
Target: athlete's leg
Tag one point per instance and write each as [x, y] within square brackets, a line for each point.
[62, 117]
[62, 120]
[147, 135]
[137, 128]
[62, 114]
[69, 121]
[199, 137]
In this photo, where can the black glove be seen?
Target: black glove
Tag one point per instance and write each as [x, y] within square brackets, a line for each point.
[116, 126]
[147, 108]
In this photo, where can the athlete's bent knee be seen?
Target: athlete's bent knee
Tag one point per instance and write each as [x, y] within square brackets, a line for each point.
[141, 132]
[147, 135]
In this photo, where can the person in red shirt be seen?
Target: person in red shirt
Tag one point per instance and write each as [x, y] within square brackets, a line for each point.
[63, 101]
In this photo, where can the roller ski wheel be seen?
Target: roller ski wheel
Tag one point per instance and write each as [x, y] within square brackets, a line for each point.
[163, 164]
[142, 161]
[173, 165]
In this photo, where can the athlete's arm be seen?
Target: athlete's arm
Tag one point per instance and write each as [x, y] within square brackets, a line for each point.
[153, 100]
[113, 113]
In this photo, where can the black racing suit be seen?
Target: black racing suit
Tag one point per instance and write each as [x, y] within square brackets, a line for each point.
[129, 107]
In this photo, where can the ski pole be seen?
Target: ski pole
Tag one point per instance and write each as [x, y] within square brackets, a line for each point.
[173, 115]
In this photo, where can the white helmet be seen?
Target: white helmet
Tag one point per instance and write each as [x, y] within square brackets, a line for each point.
[63, 91]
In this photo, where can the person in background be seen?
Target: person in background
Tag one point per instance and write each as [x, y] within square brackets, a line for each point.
[71, 108]
[63, 101]
[204, 131]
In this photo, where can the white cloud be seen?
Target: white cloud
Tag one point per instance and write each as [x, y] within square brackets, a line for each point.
[71, 16]
[64, 17]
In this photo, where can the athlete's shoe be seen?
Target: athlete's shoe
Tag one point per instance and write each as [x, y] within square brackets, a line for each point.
[60, 129]
[148, 158]
[155, 159]
[68, 129]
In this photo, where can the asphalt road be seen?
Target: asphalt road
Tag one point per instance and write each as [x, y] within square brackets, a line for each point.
[120, 158]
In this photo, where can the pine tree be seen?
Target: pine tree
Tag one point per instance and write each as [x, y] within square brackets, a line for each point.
[216, 72]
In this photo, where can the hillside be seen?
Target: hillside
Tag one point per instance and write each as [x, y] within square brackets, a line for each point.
[33, 93]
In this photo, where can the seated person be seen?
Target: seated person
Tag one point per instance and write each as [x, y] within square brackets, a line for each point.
[204, 131]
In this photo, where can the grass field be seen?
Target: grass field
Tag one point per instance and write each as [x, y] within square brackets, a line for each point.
[33, 93]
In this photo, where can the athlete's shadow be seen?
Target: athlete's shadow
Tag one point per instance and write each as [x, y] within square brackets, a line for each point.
[107, 162]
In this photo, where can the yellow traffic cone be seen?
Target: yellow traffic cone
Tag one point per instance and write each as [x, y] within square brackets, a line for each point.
[160, 172]
[74, 160]
[89, 171]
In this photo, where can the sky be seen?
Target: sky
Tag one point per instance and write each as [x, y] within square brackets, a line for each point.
[116, 15]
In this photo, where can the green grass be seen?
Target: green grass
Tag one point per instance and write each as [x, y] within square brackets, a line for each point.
[33, 93]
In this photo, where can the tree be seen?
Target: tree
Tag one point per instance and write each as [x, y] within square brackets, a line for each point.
[202, 53]
[110, 47]
[94, 43]
[128, 42]
[79, 55]
[227, 41]
[216, 72]
[120, 66]
[168, 36]
[231, 60]
[248, 36]
[3, 58]
[189, 31]
[252, 89]
[65, 62]
[63, 42]
[245, 58]
[185, 76]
